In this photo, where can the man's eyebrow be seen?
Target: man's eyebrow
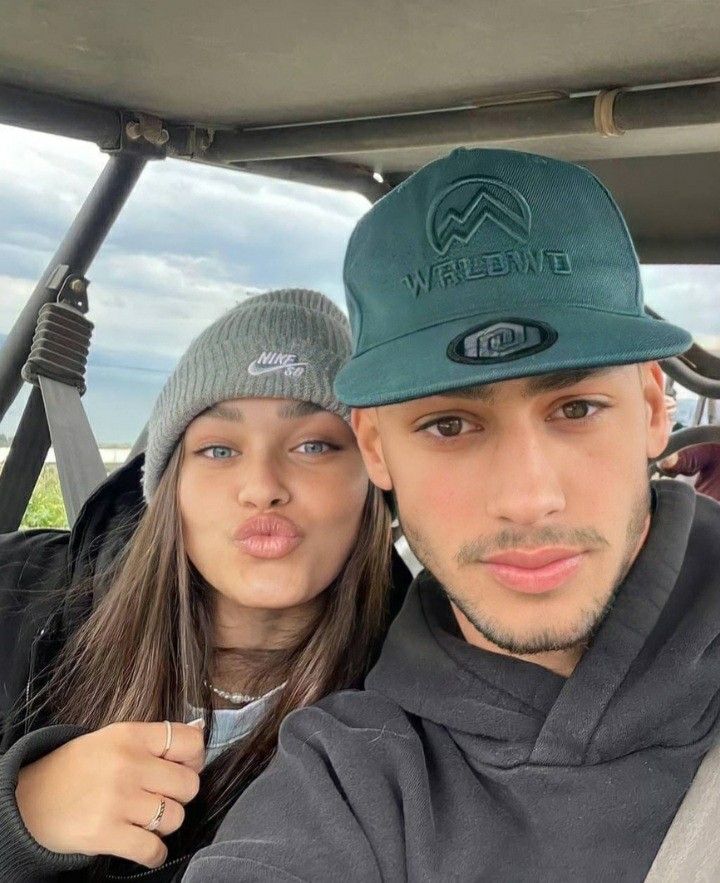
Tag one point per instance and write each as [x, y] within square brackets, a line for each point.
[533, 385]
[560, 380]
[484, 393]
[293, 410]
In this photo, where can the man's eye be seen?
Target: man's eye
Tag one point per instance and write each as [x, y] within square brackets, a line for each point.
[218, 452]
[314, 447]
[447, 427]
[577, 410]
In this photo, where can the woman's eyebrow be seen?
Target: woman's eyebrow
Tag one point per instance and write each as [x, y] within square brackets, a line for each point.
[287, 410]
[293, 410]
[225, 411]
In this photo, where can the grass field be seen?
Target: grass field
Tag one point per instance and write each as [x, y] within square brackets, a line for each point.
[46, 507]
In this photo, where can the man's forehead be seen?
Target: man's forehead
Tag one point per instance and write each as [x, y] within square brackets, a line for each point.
[531, 386]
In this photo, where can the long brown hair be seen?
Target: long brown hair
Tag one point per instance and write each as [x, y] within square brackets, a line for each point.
[146, 651]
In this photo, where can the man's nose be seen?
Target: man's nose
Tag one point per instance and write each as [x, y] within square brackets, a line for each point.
[261, 484]
[523, 485]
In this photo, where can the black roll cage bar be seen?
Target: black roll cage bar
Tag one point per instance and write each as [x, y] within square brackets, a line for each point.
[72, 259]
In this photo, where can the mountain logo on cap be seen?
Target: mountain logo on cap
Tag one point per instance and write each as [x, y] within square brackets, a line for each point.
[462, 209]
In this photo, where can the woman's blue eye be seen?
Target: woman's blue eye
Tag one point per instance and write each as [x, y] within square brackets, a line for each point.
[218, 452]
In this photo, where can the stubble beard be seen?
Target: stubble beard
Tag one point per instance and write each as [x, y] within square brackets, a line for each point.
[588, 620]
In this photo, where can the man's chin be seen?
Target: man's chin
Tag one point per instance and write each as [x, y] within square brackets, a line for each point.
[541, 641]
[546, 633]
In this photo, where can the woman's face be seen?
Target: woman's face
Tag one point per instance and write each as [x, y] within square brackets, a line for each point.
[271, 494]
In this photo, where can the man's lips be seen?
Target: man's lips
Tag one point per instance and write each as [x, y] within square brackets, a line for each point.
[533, 558]
[268, 536]
[534, 571]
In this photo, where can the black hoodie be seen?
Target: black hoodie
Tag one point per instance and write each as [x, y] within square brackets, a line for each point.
[458, 764]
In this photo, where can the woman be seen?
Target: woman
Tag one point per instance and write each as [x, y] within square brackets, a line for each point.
[255, 583]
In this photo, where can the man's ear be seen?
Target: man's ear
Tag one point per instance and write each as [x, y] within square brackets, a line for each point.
[658, 434]
[365, 424]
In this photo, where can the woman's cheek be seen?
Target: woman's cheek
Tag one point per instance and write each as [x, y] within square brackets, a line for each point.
[340, 526]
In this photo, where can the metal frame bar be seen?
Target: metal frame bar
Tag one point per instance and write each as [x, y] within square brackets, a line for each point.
[696, 360]
[687, 438]
[696, 369]
[60, 116]
[296, 152]
[24, 462]
[76, 251]
[658, 108]
[320, 173]
[73, 256]
[692, 380]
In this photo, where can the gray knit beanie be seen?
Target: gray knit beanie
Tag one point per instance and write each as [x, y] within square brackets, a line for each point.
[286, 344]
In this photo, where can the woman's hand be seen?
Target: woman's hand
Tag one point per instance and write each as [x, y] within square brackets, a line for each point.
[94, 794]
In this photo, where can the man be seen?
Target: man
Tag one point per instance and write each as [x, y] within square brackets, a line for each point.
[545, 696]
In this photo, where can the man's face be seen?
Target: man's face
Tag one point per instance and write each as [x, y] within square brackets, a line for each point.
[527, 499]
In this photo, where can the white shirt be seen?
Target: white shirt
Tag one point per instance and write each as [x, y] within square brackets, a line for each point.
[231, 724]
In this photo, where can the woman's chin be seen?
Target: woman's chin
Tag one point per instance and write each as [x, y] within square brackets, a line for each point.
[261, 595]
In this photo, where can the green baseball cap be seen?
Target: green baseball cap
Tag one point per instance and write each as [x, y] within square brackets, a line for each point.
[488, 265]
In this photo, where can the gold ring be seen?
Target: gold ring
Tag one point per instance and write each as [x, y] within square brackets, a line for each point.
[154, 823]
[168, 738]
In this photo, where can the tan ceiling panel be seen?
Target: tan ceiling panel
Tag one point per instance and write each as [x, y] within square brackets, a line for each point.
[236, 62]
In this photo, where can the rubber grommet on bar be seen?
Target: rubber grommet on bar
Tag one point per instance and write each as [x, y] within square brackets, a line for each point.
[60, 347]
[604, 113]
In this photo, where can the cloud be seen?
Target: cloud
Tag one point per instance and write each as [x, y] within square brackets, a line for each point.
[262, 232]
[190, 242]
[687, 296]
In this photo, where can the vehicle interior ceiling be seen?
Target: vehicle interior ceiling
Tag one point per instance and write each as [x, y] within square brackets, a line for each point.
[358, 96]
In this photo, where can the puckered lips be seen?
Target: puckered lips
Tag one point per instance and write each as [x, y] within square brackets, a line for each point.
[534, 571]
[268, 536]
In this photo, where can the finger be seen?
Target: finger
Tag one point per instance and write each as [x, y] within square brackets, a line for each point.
[137, 845]
[145, 808]
[196, 762]
[175, 780]
[186, 742]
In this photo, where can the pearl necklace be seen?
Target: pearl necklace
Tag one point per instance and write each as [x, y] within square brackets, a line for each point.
[240, 698]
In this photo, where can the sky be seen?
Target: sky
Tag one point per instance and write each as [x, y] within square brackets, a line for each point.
[190, 242]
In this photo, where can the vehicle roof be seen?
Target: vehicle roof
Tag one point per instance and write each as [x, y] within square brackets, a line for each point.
[414, 77]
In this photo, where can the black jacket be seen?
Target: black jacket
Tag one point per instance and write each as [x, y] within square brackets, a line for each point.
[457, 764]
[36, 566]
[36, 619]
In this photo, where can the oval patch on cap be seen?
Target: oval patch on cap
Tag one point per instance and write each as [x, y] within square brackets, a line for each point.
[501, 340]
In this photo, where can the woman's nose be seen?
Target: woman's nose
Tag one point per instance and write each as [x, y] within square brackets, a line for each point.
[261, 485]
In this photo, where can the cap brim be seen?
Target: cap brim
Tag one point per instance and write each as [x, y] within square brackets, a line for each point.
[418, 364]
